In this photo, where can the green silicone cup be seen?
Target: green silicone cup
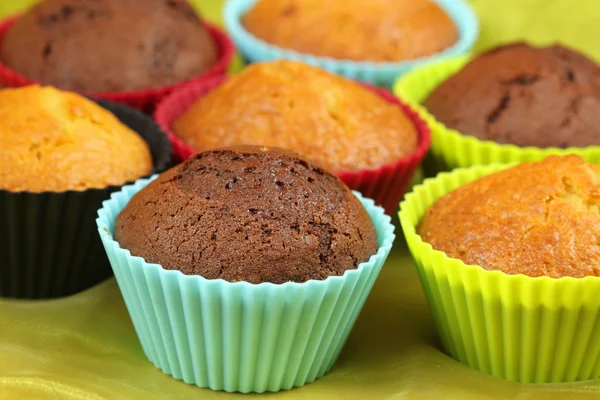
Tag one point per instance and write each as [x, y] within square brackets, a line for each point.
[449, 148]
[240, 337]
[511, 326]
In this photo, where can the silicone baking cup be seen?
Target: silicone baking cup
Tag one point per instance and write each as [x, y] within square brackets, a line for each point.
[141, 99]
[386, 184]
[511, 326]
[49, 246]
[240, 337]
[378, 73]
[450, 149]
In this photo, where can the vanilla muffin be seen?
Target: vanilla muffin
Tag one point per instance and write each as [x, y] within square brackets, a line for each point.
[537, 219]
[375, 30]
[333, 121]
[51, 140]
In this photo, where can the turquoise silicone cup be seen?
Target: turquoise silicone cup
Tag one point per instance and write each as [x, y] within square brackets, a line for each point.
[378, 73]
[240, 337]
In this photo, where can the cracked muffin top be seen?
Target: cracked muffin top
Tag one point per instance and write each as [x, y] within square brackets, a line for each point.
[538, 219]
[109, 45]
[250, 214]
[359, 30]
[335, 122]
[56, 141]
[523, 95]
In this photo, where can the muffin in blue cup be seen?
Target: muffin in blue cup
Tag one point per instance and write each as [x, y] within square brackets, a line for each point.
[374, 42]
[244, 269]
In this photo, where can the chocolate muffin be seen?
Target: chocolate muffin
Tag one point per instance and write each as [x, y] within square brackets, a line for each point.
[52, 140]
[523, 95]
[374, 30]
[109, 45]
[334, 121]
[250, 214]
[537, 219]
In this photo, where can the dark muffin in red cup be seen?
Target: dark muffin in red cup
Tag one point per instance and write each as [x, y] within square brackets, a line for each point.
[129, 51]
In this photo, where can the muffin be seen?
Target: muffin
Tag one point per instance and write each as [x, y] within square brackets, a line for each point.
[523, 95]
[61, 155]
[537, 219]
[508, 257]
[141, 44]
[58, 141]
[365, 41]
[244, 253]
[380, 30]
[335, 122]
[248, 214]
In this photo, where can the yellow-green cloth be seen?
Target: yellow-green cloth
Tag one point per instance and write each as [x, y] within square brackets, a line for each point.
[574, 23]
[84, 347]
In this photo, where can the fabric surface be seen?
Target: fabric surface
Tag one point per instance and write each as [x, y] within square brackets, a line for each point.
[84, 347]
[575, 24]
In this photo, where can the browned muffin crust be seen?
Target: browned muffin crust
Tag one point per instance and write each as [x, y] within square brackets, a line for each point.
[248, 214]
[523, 95]
[56, 141]
[360, 30]
[538, 219]
[333, 121]
[109, 45]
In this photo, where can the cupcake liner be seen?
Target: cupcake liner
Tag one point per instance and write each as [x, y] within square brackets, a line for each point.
[379, 73]
[511, 326]
[145, 100]
[450, 149]
[49, 245]
[240, 337]
[386, 184]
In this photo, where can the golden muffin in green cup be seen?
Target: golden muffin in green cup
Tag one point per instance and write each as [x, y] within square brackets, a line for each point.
[513, 103]
[509, 258]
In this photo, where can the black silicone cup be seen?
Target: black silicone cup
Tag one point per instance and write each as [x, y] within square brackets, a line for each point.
[49, 242]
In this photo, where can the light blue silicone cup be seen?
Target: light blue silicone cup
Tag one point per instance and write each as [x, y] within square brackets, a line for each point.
[378, 73]
[240, 337]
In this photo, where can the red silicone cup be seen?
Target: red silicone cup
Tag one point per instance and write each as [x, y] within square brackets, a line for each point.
[141, 99]
[386, 184]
